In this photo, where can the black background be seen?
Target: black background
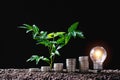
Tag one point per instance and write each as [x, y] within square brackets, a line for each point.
[99, 22]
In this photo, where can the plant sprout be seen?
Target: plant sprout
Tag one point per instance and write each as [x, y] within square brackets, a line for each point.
[53, 41]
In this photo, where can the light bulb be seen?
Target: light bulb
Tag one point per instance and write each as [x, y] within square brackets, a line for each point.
[98, 55]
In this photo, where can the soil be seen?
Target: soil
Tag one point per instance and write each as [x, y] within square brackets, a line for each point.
[29, 74]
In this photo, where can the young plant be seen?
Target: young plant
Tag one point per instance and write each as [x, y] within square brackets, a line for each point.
[53, 41]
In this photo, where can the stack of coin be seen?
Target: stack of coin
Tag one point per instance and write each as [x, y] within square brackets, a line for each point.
[34, 69]
[58, 67]
[83, 63]
[71, 64]
[45, 68]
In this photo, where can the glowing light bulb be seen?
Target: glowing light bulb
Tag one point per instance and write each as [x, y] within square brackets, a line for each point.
[98, 55]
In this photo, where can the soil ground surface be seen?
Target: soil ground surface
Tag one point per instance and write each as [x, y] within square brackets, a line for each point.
[29, 74]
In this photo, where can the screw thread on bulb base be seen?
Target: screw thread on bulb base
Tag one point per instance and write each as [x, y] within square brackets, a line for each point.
[98, 66]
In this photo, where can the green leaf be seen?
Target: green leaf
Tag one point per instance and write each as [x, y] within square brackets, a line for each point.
[73, 33]
[60, 46]
[28, 30]
[61, 40]
[50, 35]
[54, 53]
[67, 38]
[57, 52]
[73, 27]
[43, 35]
[35, 29]
[22, 27]
[76, 33]
[53, 48]
[46, 60]
[38, 58]
[51, 55]
[80, 34]
[59, 34]
[28, 26]
[53, 42]
[42, 58]
[34, 35]
[53, 35]
[45, 42]
[34, 57]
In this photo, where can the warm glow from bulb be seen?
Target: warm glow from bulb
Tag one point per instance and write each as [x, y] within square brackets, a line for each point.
[98, 54]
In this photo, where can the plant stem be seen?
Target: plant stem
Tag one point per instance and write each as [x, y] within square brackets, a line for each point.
[52, 58]
[51, 63]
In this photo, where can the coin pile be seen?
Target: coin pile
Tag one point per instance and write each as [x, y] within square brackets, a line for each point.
[71, 64]
[45, 68]
[83, 63]
[58, 66]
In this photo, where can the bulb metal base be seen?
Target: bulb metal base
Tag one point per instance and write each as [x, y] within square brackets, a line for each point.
[98, 66]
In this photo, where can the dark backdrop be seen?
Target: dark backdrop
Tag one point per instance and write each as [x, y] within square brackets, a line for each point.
[99, 22]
